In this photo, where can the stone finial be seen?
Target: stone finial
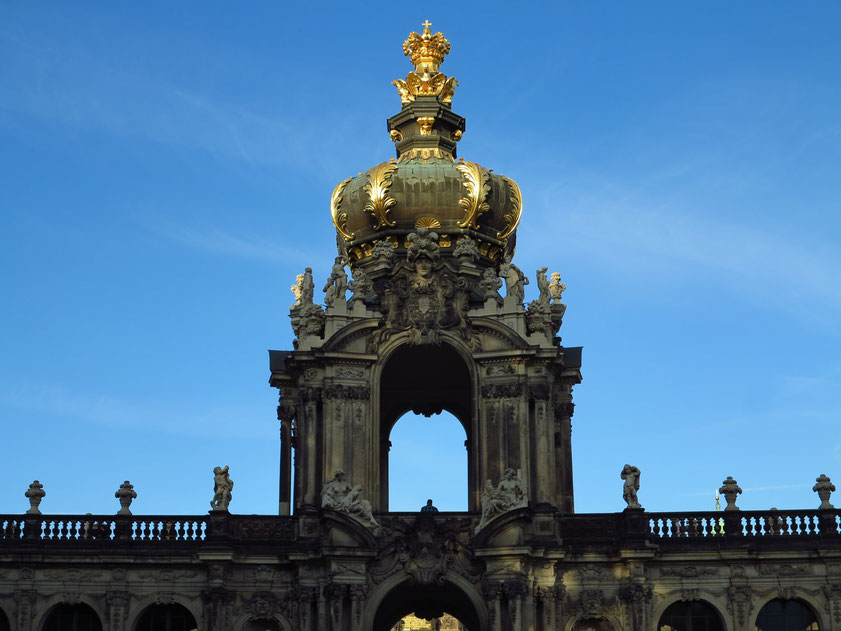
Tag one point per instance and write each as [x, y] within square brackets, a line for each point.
[631, 476]
[824, 488]
[730, 490]
[35, 494]
[556, 287]
[490, 284]
[303, 289]
[336, 287]
[339, 495]
[509, 494]
[466, 249]
[222, 489]
[125, 494]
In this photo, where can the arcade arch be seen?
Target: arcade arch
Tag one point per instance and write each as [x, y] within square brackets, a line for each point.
[79, 617]
[786, 615]
[173, 617]
[4, 621]
[690, 616]
[426, 380]
[426, 601]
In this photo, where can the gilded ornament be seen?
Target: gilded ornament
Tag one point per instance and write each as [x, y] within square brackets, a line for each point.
[425, 124]
[477, 184]
[427, 52]
[396, 136]
[379, 203]
[445, 241]
[512, 219]
[457, 134]
[340, 218]
[427, 221]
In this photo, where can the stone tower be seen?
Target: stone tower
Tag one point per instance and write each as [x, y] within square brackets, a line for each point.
[429, 239]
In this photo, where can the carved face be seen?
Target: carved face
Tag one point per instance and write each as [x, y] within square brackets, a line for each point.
[423, 266]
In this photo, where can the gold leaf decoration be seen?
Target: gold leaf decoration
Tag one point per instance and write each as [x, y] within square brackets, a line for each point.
[477, 184]
[379, 203]
[340, 218]
[512, 219]
[427, 221]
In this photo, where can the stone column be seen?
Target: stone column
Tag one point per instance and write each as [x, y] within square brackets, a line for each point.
[216, 601]
[493, 594]
[25, 601]
[334, 593]
[358, 597]
[286, 416]
[117, 607]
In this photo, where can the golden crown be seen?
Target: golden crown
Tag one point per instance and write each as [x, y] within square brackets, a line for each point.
[426, 50]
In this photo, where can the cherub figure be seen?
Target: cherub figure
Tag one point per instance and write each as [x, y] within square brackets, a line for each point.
[631, 476]
[223, 488]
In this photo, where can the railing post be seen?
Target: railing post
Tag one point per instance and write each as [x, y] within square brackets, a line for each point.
[635, 526]
[217, 526]
[31, 527]
[826, 522]
[732, 524]
[122, 527]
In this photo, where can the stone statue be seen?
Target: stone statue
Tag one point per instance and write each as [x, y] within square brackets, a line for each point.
[490, 284]
[515, 280]
[303, 288]
[509, 494]
[543, 287]
[361, 285]
[35, 494]
[336, 285]
[338, 494]
[223, 487]
[631, 476]
[556, 287]
[466, 250]
[125, 494]
[429, 508]
[383, 250]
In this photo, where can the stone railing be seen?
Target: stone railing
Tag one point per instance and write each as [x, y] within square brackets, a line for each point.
[102, 528]
[766, 523]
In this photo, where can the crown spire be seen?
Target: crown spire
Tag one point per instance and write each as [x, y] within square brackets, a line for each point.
[427, 52]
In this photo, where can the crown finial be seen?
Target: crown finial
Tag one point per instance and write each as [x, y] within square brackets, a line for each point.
[427, 52]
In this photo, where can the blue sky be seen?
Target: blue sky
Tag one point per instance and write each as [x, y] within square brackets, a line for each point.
[165, 172]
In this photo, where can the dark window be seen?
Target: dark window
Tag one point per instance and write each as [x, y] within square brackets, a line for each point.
[167, 618]
[73, 618]
[263, 625]
[692, 616]
[786, 615]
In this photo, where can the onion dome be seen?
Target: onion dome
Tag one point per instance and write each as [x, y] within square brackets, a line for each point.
[425, 186]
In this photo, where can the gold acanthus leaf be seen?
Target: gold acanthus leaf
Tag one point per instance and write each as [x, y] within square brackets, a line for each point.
[477, 184]
[512, 219]
[379, 203]
[340, 218]
[426, 84]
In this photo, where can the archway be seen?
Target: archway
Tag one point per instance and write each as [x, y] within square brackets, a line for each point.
[166, 618]
[72, 618]
[4, 621]
[426, 601]
[786, 615]
[427, 460]
[425, 380]
[690, 616]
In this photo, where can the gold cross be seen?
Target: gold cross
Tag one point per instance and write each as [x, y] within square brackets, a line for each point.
[427, 24]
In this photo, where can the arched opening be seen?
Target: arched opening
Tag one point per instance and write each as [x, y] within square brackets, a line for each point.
[427, 460]
[425, 380]
[4, 622]
[166, 618]
[413, 623]
[592, 624]
[72, 618]
[427, 602]
[690, 616]
[786, 615]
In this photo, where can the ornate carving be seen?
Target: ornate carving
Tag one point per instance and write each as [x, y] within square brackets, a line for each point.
[303, 289]
[425, 125]
[263, 530]
[833, 601]
[395, 135]
[361, 285]
[344, 393]
[502, 391]
[512, 219]
[340, 218]
[427, 52]
[424, 296]
[263, 605]
[515, 280]
[167, 576]
[637, 596]
[739, 602]
[336, 286]
[784, 570]
[347, 371]
[490, 284]
[379, 203]
[477, 185]
[501, 369]
[25, 599]
[689, 571]
[509, 495]
[339, 495]
[556, 287]
[383, 249]
[309, 321]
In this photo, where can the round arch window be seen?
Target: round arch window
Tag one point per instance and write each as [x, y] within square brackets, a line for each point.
[73, 618]
[166, 618]
[786, 615]
[691, 616]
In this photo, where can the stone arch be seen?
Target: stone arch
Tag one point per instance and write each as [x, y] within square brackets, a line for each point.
[798, 596]
[703, 595]
[136, 612]
[5, 621]
[241, 623]
[57, 600]
[706, 599]
[398, 596]
[607, 623]
[436, 377]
